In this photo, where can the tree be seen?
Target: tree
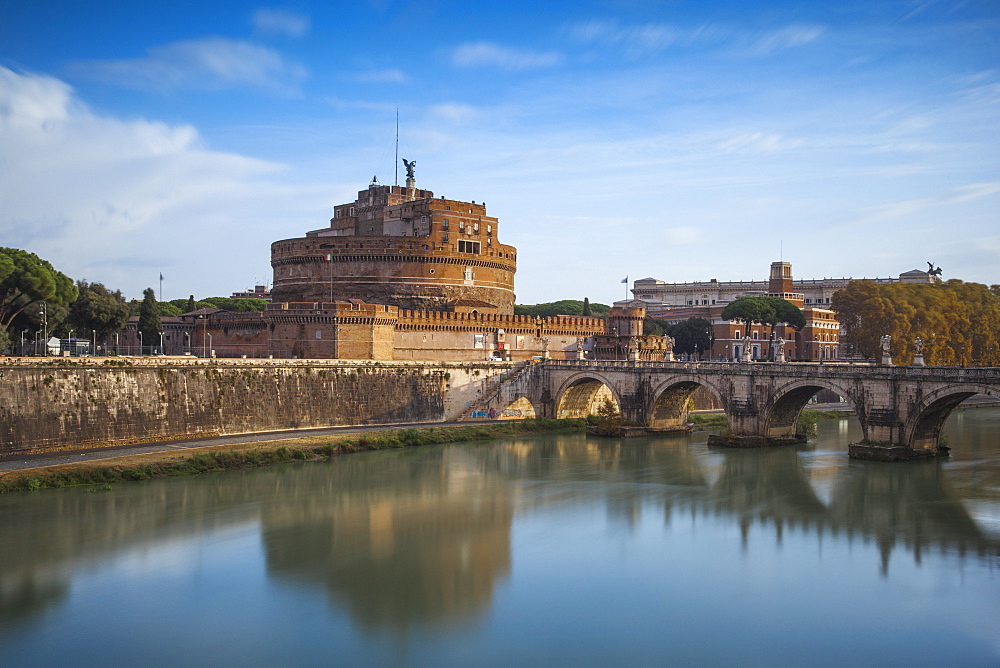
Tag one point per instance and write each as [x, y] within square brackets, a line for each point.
[586, 306]
[97, 310]
[237, 305]
[694, 335]
[4, 339]
[749, 310]
[149, 318]
[959, 323]
[562, 307]
[25, 280]
[190, 304]
[783, 312]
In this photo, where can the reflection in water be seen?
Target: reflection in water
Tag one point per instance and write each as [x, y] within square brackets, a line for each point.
[422, 539]
[401, 540]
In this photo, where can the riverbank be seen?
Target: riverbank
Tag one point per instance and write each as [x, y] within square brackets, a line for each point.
[263, 453]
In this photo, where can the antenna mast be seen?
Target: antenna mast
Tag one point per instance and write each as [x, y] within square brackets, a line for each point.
[397, 145]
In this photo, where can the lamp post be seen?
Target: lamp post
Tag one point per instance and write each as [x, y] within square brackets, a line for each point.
[204, 336]
[116, 343]
[44, 310]
[140, 342]
[209, 341]
[161, 343]
[22, 343]
[93, 351]
[72, 347]
[187, 342]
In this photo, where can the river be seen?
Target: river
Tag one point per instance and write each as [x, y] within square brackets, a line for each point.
[541, 550]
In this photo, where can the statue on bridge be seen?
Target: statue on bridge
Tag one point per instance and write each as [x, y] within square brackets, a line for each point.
[886, 340]
[746, 356]
[918, 357]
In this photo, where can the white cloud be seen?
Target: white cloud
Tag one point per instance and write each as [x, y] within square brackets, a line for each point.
[958, 195]
[281, 22]
[117, 201]
[486, 54]
[391, 75]
[636, 39]
[786, 38]
[644, 38]
[680, 236]
[757, 142]
[209, 63]
[453, 113]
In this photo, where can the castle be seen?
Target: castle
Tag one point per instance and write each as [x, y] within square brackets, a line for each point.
[400, 274]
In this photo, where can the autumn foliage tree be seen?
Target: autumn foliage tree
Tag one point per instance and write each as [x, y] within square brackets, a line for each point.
[959, 322]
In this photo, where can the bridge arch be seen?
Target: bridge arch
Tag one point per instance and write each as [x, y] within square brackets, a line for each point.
[669, 408]
[518, 409]
[581, 395]
[926, 422]
[781, 413]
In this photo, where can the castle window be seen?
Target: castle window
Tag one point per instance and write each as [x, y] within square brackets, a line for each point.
[475, 227]
[461, 226]
[489, 229]
[468, 246]
[444, 224]
[319, 333]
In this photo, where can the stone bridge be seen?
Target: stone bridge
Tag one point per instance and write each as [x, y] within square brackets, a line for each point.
[901, 408]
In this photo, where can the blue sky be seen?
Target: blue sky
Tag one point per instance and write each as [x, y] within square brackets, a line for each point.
[679, 140]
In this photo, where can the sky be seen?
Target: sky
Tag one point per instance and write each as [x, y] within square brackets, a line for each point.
[612, 138]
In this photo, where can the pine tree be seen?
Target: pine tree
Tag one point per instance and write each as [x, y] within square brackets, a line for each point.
[190, 306]
[586, 306]
[149, 318]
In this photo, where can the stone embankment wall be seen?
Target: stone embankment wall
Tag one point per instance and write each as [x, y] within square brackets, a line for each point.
[52, 404]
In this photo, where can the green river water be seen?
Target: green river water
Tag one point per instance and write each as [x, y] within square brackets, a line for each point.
[539, 550]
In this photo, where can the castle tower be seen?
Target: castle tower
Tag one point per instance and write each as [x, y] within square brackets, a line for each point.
[399, 246]
[625, 321]
[780, 284]
[780, 281]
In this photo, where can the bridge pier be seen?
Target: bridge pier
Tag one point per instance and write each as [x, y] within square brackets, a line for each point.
[887, 452]
[753, 441]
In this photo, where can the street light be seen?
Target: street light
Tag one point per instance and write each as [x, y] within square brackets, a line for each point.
[72, 348]
[161, 343]
[140, 342]
[44, 310]
[204, 336]
[187, 344]
[93, 351]
[209, 340]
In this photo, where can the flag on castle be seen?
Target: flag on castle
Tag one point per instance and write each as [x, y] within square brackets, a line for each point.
[625, 280]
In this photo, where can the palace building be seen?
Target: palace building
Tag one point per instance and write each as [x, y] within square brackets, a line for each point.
[818, 340]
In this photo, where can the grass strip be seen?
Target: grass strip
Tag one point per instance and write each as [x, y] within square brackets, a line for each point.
[167, 464]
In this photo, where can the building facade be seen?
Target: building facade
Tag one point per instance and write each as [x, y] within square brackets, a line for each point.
[818, 340]
[399, 246]
[400, 275]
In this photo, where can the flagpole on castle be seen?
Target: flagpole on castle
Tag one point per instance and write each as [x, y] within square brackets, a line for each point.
[626, 287]
[161, 286]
